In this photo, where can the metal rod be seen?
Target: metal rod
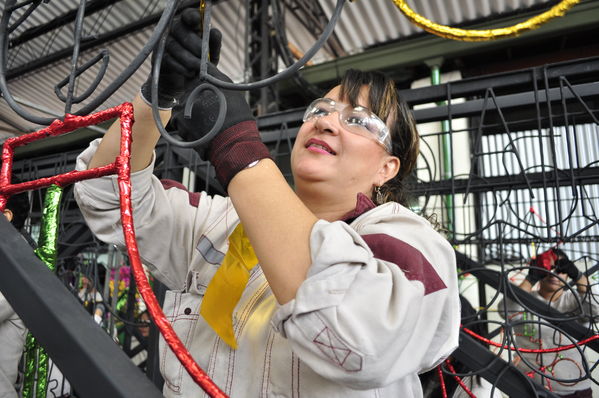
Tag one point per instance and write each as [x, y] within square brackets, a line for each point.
[87, 356]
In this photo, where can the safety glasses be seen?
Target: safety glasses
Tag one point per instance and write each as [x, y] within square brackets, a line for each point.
[358, 120]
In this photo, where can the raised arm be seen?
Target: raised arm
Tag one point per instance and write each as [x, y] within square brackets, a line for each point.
[274, 218]
[180, 66]
[279, 214]
[145, 136]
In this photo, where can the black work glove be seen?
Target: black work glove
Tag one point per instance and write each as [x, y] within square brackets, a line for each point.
[181, 59]
[535, 273]
[565, 266]
[238, 142]
[205, 109]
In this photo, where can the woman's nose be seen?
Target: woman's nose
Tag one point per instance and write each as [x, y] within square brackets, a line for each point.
[328, 124]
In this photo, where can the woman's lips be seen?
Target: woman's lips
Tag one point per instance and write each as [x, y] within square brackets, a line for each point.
[319, 146]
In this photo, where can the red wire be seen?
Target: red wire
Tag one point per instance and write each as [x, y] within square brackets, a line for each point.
[530, 350]
[459, 379]
[442, 381]
[144, 288]
[533, 211]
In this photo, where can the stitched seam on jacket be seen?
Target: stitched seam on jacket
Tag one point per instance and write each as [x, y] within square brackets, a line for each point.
[266, 364]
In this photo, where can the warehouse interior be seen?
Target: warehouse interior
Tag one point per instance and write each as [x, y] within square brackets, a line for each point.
[508, 165]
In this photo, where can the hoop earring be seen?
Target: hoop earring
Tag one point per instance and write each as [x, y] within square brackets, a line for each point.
[378, 195]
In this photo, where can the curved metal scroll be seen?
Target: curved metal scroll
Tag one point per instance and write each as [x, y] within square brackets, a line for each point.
[291, 69]
[167, 15]
[105, 57]
[204, 76]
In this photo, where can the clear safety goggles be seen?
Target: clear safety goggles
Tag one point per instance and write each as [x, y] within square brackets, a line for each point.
[358, 120]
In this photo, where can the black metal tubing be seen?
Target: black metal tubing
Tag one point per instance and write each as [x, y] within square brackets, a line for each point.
[87, 356]
[77, 34]
[205, 77]
[102, 55]
[474, 107]
[95, 42]
[32, 6]
[165, 18]
[222, 108]
[291, 69]
[505, 376]
[92, 7]
[291, 117]
[16, 126]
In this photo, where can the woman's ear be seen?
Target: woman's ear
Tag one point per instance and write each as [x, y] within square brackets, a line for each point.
[389, 169]
[8, 214]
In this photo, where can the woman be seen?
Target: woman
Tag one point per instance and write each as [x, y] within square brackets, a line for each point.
[349, 299]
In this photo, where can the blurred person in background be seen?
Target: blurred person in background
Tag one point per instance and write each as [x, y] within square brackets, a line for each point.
[574, 298]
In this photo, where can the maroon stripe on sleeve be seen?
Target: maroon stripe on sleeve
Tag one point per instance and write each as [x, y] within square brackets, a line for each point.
[414, 265]
[194, 197]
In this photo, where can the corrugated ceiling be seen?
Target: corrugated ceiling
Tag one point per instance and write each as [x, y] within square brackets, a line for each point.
[362, 24]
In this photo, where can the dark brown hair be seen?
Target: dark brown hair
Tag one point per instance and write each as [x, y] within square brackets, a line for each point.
[385, 102]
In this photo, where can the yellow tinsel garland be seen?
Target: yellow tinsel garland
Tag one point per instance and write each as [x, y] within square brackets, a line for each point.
[485, 34]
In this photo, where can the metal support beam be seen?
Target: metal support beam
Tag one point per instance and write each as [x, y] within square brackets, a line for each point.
[583, 176]
[85, 354]
[474, 107]
[476, 86]
[261, 59]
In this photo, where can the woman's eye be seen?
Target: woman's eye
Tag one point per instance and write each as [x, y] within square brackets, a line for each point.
[320, 112]
[355, 121]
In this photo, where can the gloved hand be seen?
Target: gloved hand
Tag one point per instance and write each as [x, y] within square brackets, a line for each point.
[565, 266]
[238, 142]
[535, 273]
[181, 59]
[205, 109]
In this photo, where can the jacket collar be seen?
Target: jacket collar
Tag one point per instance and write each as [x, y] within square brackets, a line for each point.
[363, 204]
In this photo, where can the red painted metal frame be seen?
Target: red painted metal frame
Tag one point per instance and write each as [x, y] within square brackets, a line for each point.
[122, 167]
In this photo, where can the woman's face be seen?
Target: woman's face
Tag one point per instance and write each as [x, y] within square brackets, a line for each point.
[551, 283]
[326, 152]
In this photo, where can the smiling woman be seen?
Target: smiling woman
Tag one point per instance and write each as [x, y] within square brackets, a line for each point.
[317, 291]
[395, 131]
